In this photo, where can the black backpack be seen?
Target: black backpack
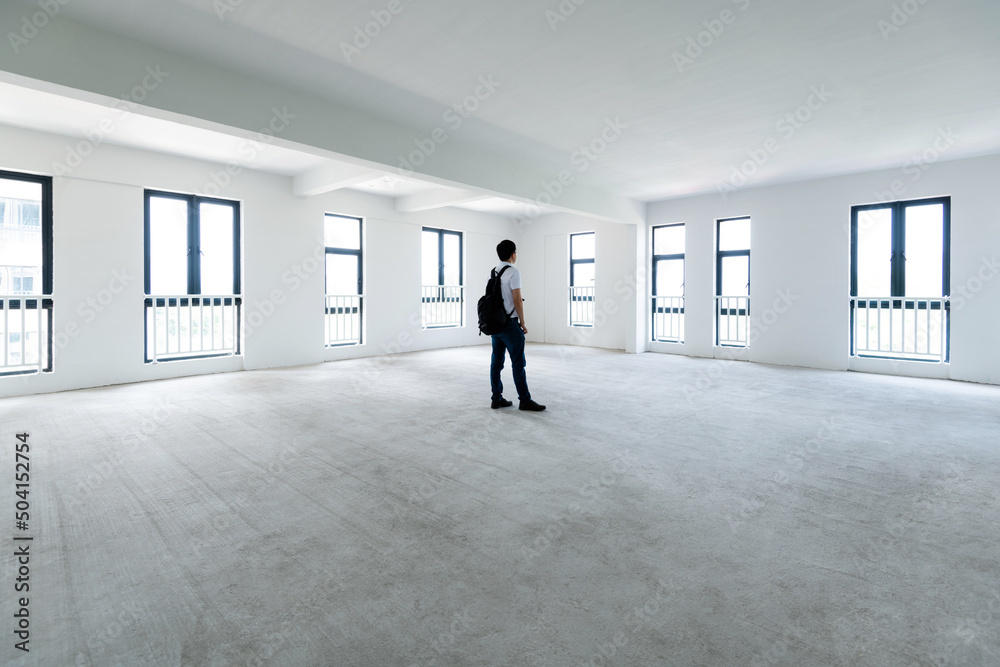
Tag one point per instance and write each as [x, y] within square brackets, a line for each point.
[493, 317]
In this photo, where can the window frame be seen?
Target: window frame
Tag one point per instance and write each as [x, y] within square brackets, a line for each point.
[44, 300]
[46, 221]
[719, 256]
[574, 262]
[359, 253]
[897, 261]
[191, 297]
[587, 302]
[897, 269]
[441, 234]
[193, 239]
[655, 259]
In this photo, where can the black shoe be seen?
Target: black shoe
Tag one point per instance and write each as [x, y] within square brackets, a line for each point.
[502, 403]
[530, 405]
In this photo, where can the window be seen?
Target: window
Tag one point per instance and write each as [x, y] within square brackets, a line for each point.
[901, 250]
[732, 282]
[25, 273]
[668, 283]
[344, 280]
[581, 279]
[192, 277]
[443, 297]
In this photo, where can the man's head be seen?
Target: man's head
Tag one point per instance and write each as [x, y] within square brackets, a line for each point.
[506, 250]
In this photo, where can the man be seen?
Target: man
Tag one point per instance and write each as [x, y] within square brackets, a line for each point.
[511, 339]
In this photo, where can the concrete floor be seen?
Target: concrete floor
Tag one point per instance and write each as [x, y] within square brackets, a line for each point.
[663, 511]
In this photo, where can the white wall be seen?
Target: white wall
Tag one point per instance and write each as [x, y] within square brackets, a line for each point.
[98, 234]
[543, 256]
[801, 244]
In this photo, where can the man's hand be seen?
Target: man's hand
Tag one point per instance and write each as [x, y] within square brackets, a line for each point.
[524, 328]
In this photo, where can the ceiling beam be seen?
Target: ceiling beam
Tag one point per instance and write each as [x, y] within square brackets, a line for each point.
[333, 176]
[163, 84]
[425, 201]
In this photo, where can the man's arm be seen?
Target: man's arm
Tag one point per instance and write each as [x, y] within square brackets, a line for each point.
[519, 307]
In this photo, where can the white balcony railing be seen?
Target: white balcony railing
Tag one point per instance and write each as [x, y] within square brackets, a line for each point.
[443, 306]
[732, 320]
[26, 334]
[668, 319]
[343, 320]
[581, 306]
[188, 326]
[900, 328]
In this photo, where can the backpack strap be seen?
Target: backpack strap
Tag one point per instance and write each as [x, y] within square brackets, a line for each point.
[497, 276]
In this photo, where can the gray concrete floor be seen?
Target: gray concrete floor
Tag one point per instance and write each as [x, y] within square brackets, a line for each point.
[663, 511]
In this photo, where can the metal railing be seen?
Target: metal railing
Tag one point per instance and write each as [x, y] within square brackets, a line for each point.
[668, 319]
[343, 320]
[900, 328]
[26, 334]
[732, 320]
[443, 306]
[581, 306]
[189, 326]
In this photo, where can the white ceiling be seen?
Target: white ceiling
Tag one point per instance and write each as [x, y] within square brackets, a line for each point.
[560, 82]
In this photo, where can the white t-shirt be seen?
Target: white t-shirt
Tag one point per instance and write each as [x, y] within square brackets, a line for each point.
[509, 281]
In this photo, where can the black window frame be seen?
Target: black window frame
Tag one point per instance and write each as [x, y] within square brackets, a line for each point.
[46, 221]
[664, 258]
[897, 265]
[194, 268]
[194, 239]
[441, 232]
[897, 260]
[719, 256]
[574, 262]
[43, 301]
[359, 253]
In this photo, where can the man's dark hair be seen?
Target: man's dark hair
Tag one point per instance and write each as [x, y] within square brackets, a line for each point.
[505, 249]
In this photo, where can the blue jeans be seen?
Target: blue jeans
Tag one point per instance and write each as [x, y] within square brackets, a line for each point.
[511, 340]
